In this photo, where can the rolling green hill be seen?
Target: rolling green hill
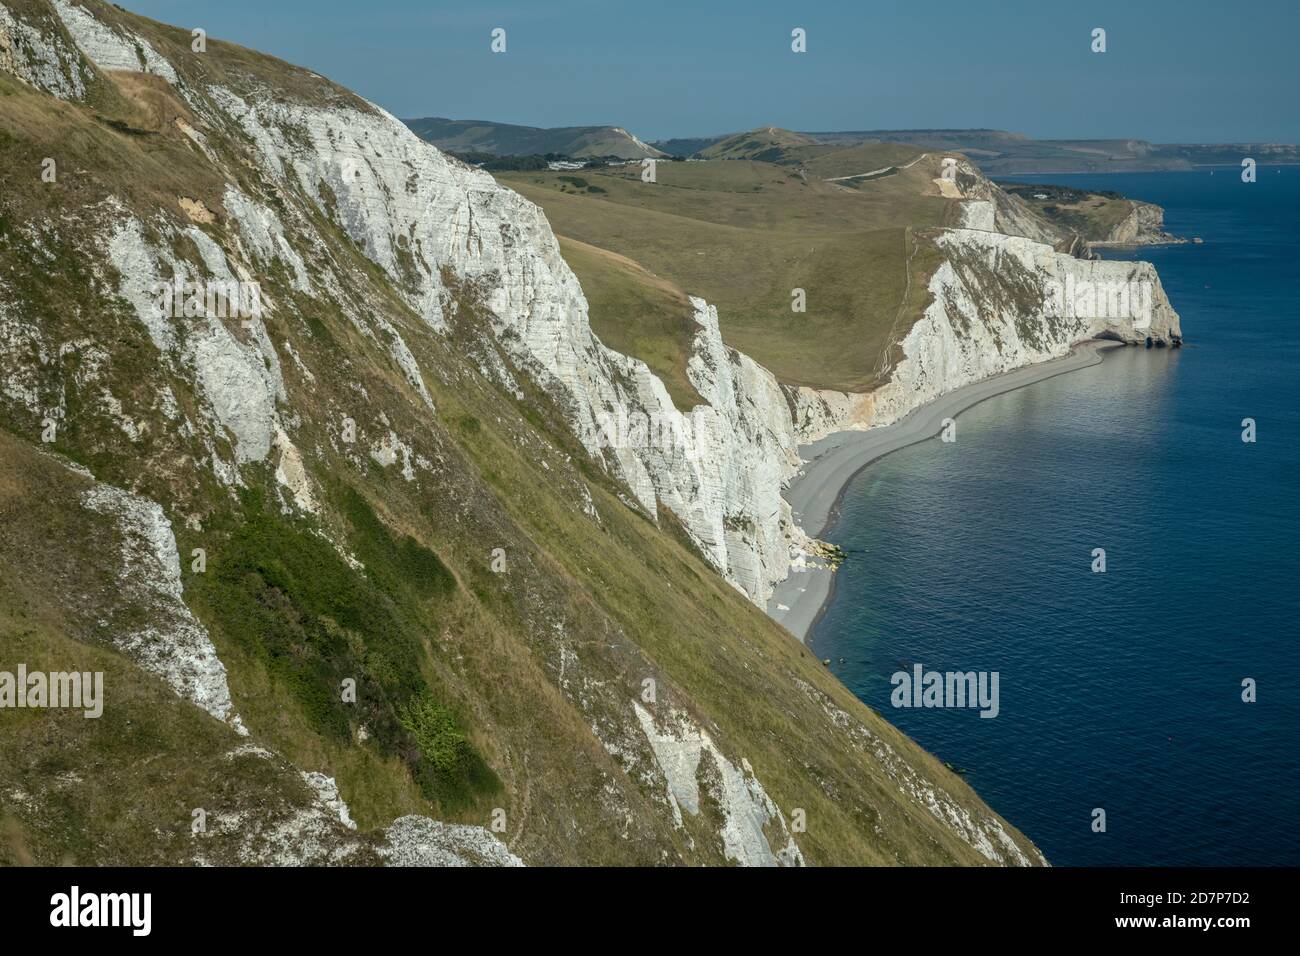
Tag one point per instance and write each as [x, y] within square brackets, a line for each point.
[1092, 215]
[505, 139]
[744, 233]
[766, 144]
[1000, 153]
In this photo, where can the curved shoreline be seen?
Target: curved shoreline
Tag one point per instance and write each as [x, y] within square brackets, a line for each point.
[831, 464]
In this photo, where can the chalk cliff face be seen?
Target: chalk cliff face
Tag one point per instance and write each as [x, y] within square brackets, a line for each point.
[395, 280]
[36, 52]
[416, 213]
[273, 510]
[1002, 302]
[1011, 215]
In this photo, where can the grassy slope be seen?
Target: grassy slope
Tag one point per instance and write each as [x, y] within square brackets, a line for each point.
[743, 234]
[765, 143]
[120, 788]
[1001, 153]
[638, 314]
[525, 662]
[1091, 215]
[828, 162]
[509, 140]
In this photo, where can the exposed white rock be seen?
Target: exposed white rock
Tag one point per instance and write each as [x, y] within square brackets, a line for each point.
[322, 831]
[291, 473]
[405, 360]
[113, 407]
[818, 412]
[238, 387]
[978, 214]
[41, 57]
[1144, 225]
[1012, 216]
[241, 382]
[138, 271]
[415, 212]
[420, 841]
[263, 233]
[679, 751]
[389, 450]
[990, 314]
[197, 138]
[319, 832]
[110, 47]
[327, 792]
[172, 643]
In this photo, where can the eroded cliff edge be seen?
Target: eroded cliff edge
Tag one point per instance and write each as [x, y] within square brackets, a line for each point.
[386, 400]
[416, 213]
[449, 240]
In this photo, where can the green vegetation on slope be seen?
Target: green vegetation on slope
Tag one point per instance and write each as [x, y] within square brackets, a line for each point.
[744, 234]
[505, 139]
[1091, 215]
[478, 688]
[765, 144]
[286, 597]
[637, 314]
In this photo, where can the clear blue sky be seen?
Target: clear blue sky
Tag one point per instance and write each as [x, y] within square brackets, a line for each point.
[1174, 70]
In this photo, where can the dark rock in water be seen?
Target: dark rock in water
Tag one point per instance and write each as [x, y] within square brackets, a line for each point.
[1149, 341]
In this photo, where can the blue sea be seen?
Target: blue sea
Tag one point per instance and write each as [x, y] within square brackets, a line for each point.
[1120, 691]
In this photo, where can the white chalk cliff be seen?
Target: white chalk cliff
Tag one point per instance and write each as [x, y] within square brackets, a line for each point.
[393, 192]
[477, 302]
[416, 213]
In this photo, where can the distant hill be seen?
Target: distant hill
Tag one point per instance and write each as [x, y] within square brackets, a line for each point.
[1001, 153]
[505, 139]
[850, 158]
[856, 222]
[764, 144]
[993, 140]
[1209, 154]
[998, 152]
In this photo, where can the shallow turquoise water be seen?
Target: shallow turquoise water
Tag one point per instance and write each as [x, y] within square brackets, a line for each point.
[1121, 690]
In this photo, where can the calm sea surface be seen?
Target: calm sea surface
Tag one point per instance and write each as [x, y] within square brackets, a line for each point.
[1122, 690]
